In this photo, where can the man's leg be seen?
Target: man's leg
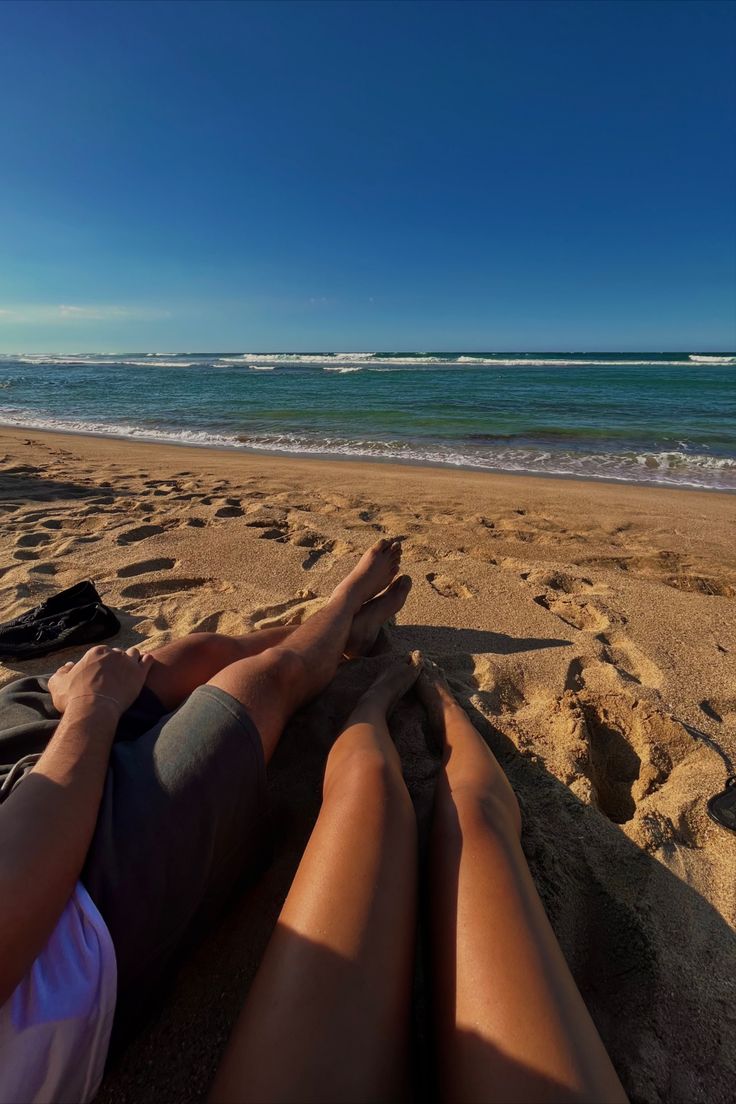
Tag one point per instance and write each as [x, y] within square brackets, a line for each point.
[327, 1016]
[274, 684]
[183, 665]
[511, 1024]
[183, 816]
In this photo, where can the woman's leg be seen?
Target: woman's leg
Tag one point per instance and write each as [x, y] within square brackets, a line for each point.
[327, 1016]
[511, 1024]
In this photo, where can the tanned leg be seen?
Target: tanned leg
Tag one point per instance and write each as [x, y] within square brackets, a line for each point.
[511, 1024]
[183, 665]
[274, 684]
[327, 1017]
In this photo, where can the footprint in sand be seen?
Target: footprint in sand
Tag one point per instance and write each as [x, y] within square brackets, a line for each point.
[670, 569]
[721, 710]
[500, 691]
[142, 567]
[574, 599]
[291, 612]
[155, 588]
[32, 540]
[44, 569]
[575, 676]
[276, 529]
[258, 519]
[274, 534]
[632, 750]
[614, 766]
[701, 584]
[317, 544]
[141, 532]
[563, 582]
[228, 622]
[579, 615]
[448, 587]
[619, 651]
[629, 660]
[73, 543]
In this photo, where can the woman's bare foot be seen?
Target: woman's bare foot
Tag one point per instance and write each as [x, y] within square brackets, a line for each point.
[372, 574]
[374, 614]
[388, 689]
[437, 698]
[445, 712]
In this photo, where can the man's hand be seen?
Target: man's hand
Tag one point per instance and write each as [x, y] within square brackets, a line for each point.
[109, 675]
[47, 822]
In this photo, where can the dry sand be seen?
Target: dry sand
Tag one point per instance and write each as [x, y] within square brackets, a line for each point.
[580, 624]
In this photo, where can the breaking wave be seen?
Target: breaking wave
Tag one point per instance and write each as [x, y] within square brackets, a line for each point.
[370, 360]
[674, 468]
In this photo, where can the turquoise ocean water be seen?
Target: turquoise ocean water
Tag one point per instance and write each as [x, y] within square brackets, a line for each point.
[662, 418]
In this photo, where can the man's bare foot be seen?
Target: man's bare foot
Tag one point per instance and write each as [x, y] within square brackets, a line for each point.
[385, 693]
[373, 572]
[374, 614]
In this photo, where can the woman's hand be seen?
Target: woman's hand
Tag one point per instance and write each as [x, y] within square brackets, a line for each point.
[109, 675]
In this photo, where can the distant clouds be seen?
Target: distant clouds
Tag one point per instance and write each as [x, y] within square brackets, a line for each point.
[52, 313]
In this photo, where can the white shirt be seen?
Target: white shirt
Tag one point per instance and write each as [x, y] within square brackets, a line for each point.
[55, 1028]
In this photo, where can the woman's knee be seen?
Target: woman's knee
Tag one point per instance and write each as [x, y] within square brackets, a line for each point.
[360, 774]
[483, 809]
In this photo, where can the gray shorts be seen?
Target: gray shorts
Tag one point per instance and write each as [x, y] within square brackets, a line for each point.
[182, 820]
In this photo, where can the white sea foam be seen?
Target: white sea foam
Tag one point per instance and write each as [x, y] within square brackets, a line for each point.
[221, 362]
[674, 469]
[305, 358]
[375, 361]
[371, 360]
[332, 361]
[560, 362]
[675, 461]
[41, 360]
[155, 364]
[28, 420]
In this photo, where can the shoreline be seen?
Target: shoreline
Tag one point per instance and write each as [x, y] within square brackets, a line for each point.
[245, 451]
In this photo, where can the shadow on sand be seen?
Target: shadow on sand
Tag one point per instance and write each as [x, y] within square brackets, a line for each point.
[24, 484]
[436, 641]
[655, 962]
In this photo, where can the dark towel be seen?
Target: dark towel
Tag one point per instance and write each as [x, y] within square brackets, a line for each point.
[81, 594]
[74, 616]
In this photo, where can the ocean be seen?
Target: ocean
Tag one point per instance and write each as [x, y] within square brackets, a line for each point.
[667, 419]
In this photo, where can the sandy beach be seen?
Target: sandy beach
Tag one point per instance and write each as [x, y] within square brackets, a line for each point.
[587, 628]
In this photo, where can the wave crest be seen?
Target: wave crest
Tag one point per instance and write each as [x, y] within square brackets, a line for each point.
[673, 469]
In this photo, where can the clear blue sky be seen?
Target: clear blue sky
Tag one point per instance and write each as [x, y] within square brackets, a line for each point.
[348, 175]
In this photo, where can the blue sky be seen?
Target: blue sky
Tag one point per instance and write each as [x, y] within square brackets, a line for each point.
[347, 175]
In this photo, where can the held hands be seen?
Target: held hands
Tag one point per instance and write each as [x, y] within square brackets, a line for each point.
[108, 675]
